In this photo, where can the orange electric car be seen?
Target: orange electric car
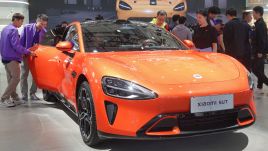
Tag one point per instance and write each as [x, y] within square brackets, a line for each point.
[133, 80]
[138, 9]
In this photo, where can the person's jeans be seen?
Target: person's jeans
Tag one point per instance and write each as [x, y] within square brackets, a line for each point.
[13, 79]
[258, 70]
[24, 79]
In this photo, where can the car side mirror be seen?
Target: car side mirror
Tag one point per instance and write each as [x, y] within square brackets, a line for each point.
[64, 46]
[189, 44]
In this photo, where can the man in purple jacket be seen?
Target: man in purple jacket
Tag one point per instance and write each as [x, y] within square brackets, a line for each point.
[32, 34]
[11, 54]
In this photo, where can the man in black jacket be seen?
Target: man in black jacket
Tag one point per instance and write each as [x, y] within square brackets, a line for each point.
[236, 39]
[259, 44]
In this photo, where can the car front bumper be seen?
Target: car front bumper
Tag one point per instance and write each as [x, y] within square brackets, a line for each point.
[170, 126]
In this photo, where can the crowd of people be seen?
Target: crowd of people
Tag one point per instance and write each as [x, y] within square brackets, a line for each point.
[237, 38]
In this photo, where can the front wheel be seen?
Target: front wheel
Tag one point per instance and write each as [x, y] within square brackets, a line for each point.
[86, 115]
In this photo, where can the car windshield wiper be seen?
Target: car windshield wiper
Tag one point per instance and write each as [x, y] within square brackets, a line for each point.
[160, 48]
[148, 48]
[131, 47]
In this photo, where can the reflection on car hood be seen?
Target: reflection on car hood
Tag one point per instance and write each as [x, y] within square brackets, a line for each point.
[174, 67]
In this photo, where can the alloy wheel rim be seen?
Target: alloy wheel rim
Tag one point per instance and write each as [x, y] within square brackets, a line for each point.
[85, 114]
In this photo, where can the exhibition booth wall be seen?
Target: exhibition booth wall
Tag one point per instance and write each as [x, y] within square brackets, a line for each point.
[8, 8]
[70, 10]
[79, 10]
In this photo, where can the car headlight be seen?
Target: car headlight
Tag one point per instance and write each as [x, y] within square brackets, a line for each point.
[250, 81]
[124, 6]
[179, 7]
[124, 89]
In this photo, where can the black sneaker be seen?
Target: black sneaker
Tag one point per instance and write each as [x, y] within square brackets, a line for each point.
[34, 97]
[25, 98]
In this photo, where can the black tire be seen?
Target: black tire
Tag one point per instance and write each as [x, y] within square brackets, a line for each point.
[48, 96]
[87, 116]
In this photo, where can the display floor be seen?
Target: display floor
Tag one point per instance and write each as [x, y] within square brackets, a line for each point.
[41, 126]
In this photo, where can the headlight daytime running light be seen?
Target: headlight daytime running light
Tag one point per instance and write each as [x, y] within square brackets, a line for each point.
[124, 6]
[124, 89]
[179, 7]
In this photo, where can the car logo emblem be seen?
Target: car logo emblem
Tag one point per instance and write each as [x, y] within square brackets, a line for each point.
[197, 76]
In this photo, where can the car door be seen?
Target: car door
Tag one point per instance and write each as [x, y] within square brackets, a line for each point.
[46, 67]
[71, 62]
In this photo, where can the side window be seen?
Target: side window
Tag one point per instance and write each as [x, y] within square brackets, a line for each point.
[72, 36]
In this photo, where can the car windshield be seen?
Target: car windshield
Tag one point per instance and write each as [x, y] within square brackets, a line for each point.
[106, 36]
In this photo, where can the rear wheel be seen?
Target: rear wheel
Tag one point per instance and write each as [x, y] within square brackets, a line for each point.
[86, 115]
[48, 96]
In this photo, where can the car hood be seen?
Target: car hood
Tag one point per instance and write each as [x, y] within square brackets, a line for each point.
[172, 67]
